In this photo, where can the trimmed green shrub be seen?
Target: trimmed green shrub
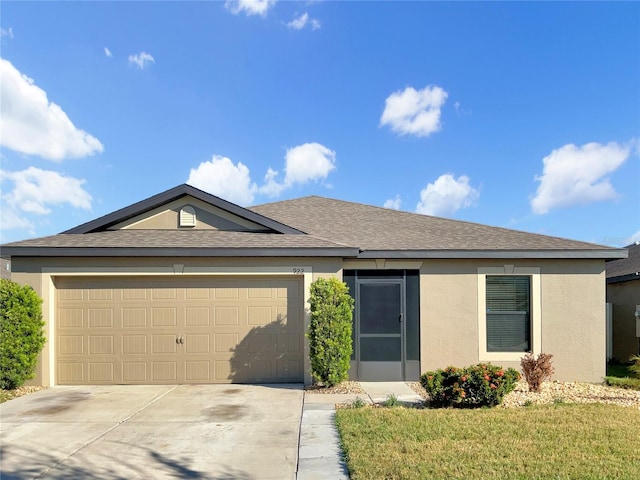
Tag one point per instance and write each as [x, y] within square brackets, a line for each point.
[634, 368]
[536, 370]
[330, 331]
[21, 333]
[482, 385]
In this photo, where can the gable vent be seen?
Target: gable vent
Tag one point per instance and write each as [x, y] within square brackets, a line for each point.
[187, 217]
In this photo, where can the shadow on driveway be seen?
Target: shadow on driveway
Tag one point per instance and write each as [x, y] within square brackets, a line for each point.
[32, 464]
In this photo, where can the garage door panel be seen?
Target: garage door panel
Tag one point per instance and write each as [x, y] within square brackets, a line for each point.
[134, 344]
[135, 372]
[227, 315]
[101, 372]
[100, 317]
[164, 372]
[70, 318]
[165, 343]
[71, 373]
[198, 316]
[134, 317]
[197, 330]
[101, 345]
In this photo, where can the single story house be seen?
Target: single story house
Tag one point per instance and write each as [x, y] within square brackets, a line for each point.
[623, 296]
[185, 287]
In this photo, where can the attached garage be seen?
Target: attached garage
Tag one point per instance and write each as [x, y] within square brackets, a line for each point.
[173, 331]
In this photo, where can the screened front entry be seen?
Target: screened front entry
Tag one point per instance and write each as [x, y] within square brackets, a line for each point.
[386, 325]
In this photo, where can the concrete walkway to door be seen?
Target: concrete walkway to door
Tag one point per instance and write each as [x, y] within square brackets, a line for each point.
[141, 432]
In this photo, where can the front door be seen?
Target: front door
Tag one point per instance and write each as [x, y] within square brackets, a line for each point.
[380, 330]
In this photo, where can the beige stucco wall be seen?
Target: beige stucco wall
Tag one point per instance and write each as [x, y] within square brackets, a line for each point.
[573, 315]
[624, 296]
[572, 301]
[40, 272]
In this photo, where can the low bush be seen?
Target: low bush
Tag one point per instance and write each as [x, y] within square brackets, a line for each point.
[625, 382]
[482, 385]
[634, 368]
[21, 333]
[536, 370]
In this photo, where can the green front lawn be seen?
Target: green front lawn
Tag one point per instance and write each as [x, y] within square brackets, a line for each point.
[562, 441]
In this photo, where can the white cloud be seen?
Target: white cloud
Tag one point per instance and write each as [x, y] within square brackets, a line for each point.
[271, 185]
[393, 203]
[447, 195]
[32, 125]
[634, 238]
[461, 111]
[10, 220]
[249, 7]
[141, 60]
[305, 163]
[573, 175]
[108, 53]
[308, 162]
[414, 112]
[219, 176]
[6, 32]
[298, 23]
[35, 191]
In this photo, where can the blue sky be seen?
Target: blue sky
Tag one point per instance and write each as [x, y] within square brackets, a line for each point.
[520, 115]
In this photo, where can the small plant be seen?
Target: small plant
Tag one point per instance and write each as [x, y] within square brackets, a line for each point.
[536, 370]
[21, 333]
[329, 332]
[558, 400]
[358, 403]
[391, 401]
[634, 368]
[527, 403]
[482, 385]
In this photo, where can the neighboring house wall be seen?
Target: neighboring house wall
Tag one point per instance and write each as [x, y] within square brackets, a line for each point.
[624, 296]
[5, 268]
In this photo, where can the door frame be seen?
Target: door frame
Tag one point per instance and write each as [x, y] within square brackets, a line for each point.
[385, 371]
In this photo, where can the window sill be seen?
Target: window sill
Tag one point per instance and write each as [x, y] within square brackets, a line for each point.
[501, 356]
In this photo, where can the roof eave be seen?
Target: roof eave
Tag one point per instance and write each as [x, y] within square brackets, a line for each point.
[507, 254]
[624, 278]
[179, 252]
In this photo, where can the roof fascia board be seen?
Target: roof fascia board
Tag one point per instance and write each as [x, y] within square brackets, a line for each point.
[455, 254]
[173, 194]
[624, 278]
[178, 252]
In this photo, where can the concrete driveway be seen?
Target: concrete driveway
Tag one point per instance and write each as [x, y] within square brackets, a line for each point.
[129, 432]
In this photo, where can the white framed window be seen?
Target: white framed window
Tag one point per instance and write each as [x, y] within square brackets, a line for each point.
[509, 320]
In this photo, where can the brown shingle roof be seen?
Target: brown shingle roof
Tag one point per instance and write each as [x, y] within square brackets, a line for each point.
[186, 240]
[626, 266]
[376, 228]
[331, 228]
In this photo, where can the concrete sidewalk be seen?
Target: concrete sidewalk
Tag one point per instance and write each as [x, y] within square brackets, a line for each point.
[320, 454]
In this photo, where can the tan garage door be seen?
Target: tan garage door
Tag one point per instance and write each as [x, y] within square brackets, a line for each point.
[167, 331]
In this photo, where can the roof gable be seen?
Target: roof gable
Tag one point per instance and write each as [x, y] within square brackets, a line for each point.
[219, 214]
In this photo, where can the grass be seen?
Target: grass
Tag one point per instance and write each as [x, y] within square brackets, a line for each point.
[561, 441]
[618, 375]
